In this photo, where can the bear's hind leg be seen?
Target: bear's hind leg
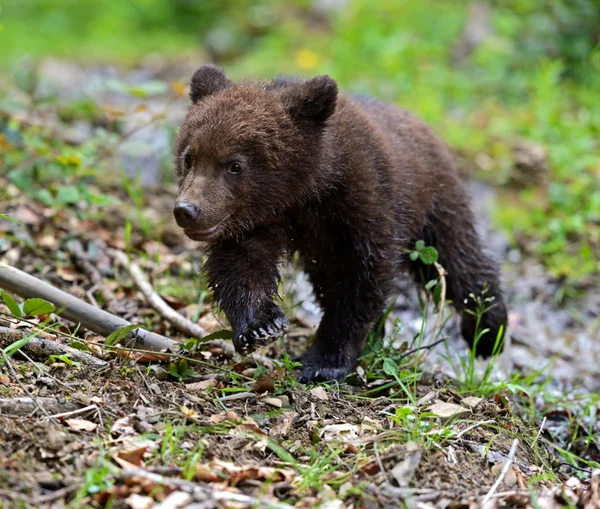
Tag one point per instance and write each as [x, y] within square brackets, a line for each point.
[470, 273]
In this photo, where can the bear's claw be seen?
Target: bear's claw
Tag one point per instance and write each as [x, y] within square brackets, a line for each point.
[261, 335]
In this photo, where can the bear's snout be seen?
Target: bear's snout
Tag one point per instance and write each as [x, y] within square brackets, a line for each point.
[186, 214]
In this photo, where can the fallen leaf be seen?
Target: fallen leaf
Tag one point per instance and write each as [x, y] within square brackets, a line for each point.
[175, 500]
[69, 274]
[123, 427]
[471, 401]
[345, 432]
[510, 479]
[81, 424]
[282, 427]
[132, 456]
[320, 393]
[264, 383]
[404, 471]
[446, 410]
[203, 385]
[135, 501]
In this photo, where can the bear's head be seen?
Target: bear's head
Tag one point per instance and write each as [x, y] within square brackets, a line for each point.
[247, 152]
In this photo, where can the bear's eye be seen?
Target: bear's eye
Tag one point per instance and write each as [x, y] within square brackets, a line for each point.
[235, 168]
[187, 160]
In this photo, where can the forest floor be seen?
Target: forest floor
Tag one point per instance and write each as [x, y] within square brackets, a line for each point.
[425, 427]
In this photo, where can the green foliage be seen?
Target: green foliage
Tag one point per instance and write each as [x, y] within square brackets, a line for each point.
[120, 334]
[29, 308]
[426, 254]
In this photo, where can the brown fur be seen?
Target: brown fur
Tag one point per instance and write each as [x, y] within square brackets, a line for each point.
[349, 183]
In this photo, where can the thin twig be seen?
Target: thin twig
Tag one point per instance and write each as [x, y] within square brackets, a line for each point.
[505, 469]
[74, 412]
[537, 436]
[420, 348]
[438, 323]
[473, 426]
[180, 322]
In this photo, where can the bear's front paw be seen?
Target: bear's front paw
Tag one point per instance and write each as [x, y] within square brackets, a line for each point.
[319, 366]
[260, 334]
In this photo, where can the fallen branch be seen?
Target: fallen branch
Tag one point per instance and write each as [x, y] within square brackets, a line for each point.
[181, 323]
[505, 469]
[26, 406]
[201, 492]
[41, 348]
[97, 320]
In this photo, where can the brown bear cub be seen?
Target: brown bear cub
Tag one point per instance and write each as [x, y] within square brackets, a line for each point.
[351, 184]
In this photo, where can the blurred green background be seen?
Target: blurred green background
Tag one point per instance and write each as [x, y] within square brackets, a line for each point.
[513, 85]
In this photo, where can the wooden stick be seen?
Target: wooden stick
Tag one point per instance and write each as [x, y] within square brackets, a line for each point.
[42, 348]
[181, 323]
[26, 406]
[97, 320]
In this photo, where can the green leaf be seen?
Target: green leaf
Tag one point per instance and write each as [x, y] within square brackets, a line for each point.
[80, 345]
[12, 305]
[21, 179]
[414, 255]
[430, 284]
[35, 307]
[220, 334]
[390, 367]
[420, 244]
[428, 255]
[44, 196]
[3, 216]
[68, 195]
[10, 350]
[120, 334]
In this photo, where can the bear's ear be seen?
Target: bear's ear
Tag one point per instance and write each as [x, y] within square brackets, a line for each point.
[206, 81]
[313, 100]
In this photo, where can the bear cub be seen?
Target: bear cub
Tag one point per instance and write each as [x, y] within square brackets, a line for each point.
[266, 170]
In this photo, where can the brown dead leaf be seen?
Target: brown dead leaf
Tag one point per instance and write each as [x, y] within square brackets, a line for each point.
[283, 426]
[69, 274]
[249, 426]
[133, 456]
[4, 380]
[264, 383]
[81, 424]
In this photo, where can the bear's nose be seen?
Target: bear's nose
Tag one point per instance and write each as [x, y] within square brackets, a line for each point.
[186, 213]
